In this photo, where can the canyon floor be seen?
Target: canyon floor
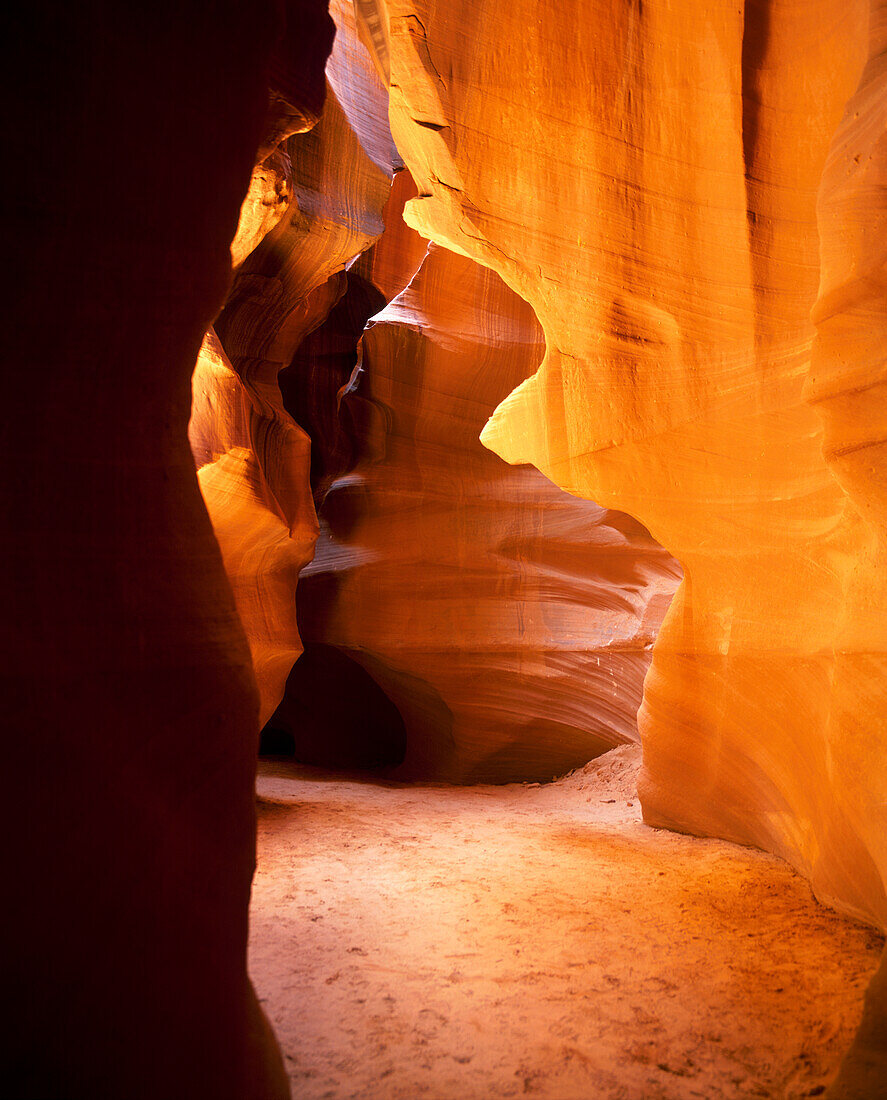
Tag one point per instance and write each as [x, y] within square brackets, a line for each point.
[525, 940]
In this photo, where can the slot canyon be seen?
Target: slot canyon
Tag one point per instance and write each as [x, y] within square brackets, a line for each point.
[445, 526]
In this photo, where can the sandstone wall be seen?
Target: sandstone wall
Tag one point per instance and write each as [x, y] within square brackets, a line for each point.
[129, 701]
[509, 622]
[645, 177]
[648, 183]
[314, 204]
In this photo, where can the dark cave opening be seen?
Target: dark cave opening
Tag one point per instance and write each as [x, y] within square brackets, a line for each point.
[334, 715]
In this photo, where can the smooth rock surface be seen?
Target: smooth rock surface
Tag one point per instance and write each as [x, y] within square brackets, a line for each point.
[848, 388]
[129, 704]
[648, 183]
[509, 623]
[314, 204]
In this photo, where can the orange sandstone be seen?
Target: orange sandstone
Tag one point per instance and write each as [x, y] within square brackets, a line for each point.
[509, 622]
[314, 204]
[647, 180]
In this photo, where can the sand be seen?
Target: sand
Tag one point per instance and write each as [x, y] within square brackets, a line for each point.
[525, 940]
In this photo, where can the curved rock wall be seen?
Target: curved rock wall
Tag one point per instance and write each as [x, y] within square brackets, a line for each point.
[848, 388]
[647, 182]
[314, 204]
[129, 700]
[509, 622]
[520, 658]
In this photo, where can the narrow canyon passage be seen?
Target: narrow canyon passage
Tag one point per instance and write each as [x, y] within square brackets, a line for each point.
[464, 388]
[498, 941]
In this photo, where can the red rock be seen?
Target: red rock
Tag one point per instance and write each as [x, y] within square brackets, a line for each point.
[508, 622]
[301, 223]
[648, 183]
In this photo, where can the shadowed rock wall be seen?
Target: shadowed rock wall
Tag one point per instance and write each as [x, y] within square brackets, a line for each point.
[129, 700]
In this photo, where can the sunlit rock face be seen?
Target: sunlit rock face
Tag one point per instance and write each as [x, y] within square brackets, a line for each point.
[848, 388]
[509, 622]
[252, 464]
[315, 202]
[645, 176]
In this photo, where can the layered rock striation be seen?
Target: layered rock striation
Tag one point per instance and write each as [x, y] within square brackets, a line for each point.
[648, 183]
[847, 386]
[509, 622]
[314, 204]
[481, 640]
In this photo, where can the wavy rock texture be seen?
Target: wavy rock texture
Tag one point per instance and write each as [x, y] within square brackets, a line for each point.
[265, 526]
[314, 204]
[509, 622]
[848, 388]
[326, 357]
[128, 803]
[647, 181]
[398, 254]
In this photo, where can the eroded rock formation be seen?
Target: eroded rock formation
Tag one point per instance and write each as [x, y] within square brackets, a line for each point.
[314, 204]
[129, 700]
[487, 690]
[648, 183]
[509, 622]
[848, 388]
[644, 176]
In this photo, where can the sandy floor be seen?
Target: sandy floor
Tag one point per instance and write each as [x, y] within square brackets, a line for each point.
[465, 943]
